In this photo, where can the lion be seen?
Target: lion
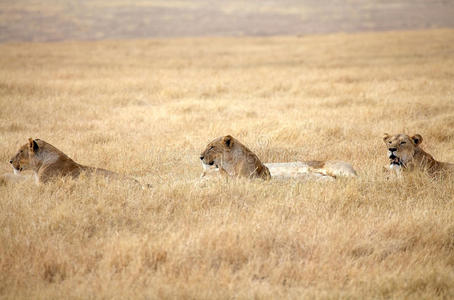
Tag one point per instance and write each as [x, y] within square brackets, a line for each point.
[228, 156]
[405, 154]
[48, 163]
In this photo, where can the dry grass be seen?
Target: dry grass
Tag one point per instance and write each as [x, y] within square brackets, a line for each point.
[147, 108]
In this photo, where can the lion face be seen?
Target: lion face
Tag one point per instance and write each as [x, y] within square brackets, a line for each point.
[21, 161]
[214, 152]
[401, 148]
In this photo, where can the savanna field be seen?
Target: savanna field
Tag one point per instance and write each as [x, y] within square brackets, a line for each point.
[147, 108]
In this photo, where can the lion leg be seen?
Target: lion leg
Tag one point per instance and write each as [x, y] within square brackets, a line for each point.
[337, 168]
[9, 178]
[322, 172]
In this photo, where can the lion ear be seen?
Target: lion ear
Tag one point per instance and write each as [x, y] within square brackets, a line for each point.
[32, 145]
[228, 141]
[385, 137]
[417, 139]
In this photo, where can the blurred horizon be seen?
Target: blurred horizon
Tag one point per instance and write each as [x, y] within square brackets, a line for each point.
[58, 20]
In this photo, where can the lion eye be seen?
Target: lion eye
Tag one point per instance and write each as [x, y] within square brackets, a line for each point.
[211, 148]
[403, 142]
[389, 142]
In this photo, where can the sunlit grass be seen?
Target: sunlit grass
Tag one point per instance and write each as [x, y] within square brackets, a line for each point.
[147, 108]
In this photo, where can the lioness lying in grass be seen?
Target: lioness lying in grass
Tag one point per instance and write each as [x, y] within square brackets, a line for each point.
[229, 157]
[48, 163]
[405, 155]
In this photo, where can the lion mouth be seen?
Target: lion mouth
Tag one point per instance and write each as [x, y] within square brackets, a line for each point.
[394, 160]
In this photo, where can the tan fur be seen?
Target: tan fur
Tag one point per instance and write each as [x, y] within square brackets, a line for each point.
[20, 161]
[8, 178]
[242, 162]
[311, 169]
[233, 159]
[47, 163]
[405, 154]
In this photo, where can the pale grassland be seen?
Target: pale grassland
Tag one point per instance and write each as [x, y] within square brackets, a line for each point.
[146, 108]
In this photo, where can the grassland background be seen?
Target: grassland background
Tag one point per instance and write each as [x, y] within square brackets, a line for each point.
[146, 108]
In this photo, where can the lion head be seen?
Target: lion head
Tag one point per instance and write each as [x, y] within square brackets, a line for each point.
[21, 160]
[401, 148]
[230, 156]
[214, 153]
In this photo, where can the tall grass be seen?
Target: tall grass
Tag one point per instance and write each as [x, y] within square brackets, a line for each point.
[147, 108]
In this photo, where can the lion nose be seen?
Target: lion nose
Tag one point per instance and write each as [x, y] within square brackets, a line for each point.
[392, 149]
[201, 157]
[11, 162]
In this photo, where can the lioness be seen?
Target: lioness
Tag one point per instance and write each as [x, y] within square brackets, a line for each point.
[47, 162]
[228, 156]
[404, 153]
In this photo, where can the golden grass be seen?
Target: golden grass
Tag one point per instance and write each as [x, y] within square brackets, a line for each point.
[146, 108]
